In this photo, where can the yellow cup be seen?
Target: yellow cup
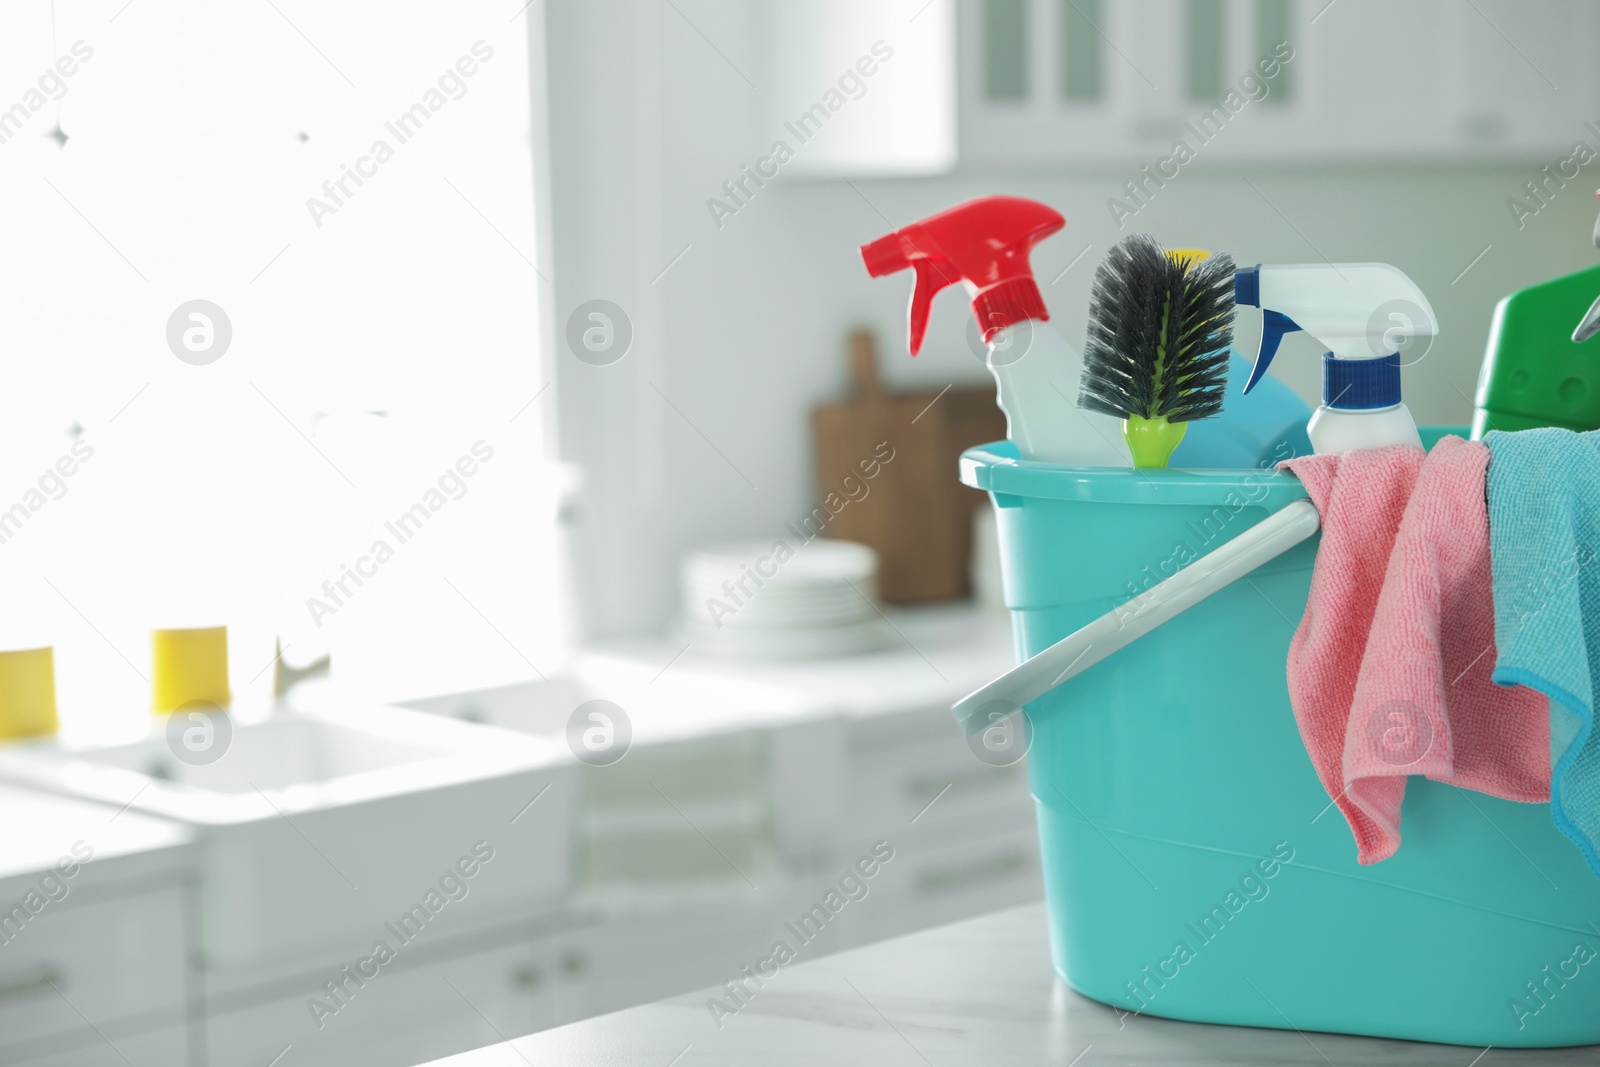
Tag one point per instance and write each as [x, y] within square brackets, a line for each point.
[188, 666]
[27, 693]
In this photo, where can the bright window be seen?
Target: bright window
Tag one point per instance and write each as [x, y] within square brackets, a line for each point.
[352, 184]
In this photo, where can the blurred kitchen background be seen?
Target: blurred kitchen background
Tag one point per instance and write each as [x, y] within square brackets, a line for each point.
[577, 346]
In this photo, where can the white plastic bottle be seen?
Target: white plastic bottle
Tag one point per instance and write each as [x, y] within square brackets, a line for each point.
[1334, 430]
[1037, 372]
[1360, 311]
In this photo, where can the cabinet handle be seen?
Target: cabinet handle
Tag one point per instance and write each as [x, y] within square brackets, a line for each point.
[527, 978]
[922, 788]
[45, 979]
[935, 880]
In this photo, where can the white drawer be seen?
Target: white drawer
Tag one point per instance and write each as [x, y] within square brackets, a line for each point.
[408, 1013]
[920, 889]
[626, 962]
[108, 958]
[935, 781]
[167, 1046]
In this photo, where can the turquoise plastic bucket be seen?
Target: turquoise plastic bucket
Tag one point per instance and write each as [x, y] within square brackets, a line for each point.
[1193, 866]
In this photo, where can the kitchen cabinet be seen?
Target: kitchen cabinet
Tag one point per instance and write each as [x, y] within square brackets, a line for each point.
[989, 867]
[165, 1046]
[622, 962]
[1092, 84]
[490, 986]
[76, 965]
[1359, 79]
[913, 780]
[407, 1012]
[875, 756]
[96, 945]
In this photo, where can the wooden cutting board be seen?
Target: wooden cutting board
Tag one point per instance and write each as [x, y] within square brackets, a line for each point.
[912, 510]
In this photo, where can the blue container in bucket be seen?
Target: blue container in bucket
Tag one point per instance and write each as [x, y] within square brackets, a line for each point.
[1193, 866]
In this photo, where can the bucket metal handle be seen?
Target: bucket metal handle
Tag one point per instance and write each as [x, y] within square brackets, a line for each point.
[1120, 627]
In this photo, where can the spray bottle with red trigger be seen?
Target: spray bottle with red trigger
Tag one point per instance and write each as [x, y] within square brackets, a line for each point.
[984, 245]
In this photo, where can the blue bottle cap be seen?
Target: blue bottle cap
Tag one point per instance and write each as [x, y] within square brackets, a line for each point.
[1360, 384]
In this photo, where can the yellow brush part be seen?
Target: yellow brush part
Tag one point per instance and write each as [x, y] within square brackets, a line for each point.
[188, 666]
[27, 693]
[1192, 255]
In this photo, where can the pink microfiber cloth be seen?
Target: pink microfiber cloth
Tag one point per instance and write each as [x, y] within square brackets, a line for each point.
[1389, 671]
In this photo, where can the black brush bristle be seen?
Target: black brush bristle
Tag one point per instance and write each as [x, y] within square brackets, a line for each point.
[1158, 335]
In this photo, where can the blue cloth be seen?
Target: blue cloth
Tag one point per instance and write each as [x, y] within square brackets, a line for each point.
[1544, 543]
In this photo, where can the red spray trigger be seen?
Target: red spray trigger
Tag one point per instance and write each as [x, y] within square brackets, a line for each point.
[983, 243]
[896, 252]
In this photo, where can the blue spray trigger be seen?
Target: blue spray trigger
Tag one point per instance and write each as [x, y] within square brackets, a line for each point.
[1274, 324]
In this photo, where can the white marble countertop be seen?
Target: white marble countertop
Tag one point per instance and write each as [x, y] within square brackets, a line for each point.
[940, 653]
[979, 992]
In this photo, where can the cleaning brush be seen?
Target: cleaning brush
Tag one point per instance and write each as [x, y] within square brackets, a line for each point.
[1157, 349]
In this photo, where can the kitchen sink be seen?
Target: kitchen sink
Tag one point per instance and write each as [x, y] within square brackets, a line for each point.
[278, 754]
[320, 825]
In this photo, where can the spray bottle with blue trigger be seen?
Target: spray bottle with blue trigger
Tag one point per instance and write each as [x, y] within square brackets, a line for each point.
[1359, 311]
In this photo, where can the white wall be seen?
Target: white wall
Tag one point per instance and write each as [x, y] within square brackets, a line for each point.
[653, 111]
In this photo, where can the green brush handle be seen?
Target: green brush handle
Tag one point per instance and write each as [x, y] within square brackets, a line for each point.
[1152, 441]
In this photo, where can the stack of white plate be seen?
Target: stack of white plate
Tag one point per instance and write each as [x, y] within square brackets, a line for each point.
[821, 601]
